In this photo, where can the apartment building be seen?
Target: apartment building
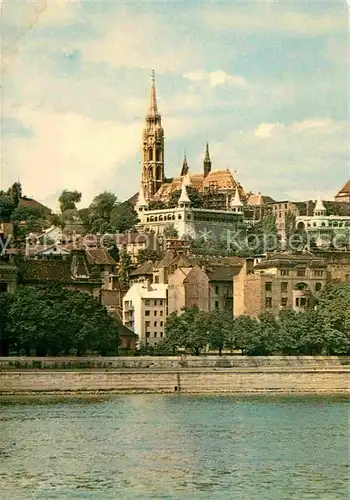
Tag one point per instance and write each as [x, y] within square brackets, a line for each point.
[145, 311]
[282, 281]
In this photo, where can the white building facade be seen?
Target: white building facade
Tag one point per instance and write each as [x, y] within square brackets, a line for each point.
[326, 230]
[145, 311]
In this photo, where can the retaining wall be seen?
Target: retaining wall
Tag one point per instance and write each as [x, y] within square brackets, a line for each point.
[173, 362]
[316, 380]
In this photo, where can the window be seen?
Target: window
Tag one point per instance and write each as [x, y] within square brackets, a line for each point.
[161, 323]
[147, 335]
[268, 302]
[161, 334]
[279, 214]
[155, 302]
[301, 301]
[147, 313]
[318, 272]
[216, 304]
[284, 301]
[268, 286]
[284, 286]
[155, 323]
[284, 272]
[318, 287]
[156, 279]
[216, 289]
[155, 313]
[301, 272]
[161, 313]
[286, 206]
[147, 323]
[161, 302]
[155, 334]
[147, 302]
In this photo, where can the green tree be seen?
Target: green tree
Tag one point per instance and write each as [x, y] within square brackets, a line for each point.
[6, 300]
[7, 207]
[246, 334]
[187, 330]
[52, 320]
[123, 217]
[15, 191]
[69, 199]
[171, 232]
[28, 220]
[101, 209]
[334, 314]
[220, 328]
[125, 266]
[289, 227]
[147, 254]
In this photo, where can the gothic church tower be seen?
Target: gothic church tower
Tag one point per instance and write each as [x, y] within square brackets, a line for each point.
[152, 148]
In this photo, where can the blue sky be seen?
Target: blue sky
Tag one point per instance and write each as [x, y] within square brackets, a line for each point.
[265, 83]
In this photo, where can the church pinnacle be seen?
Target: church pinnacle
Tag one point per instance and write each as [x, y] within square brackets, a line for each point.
[153, 108]
[207, 161]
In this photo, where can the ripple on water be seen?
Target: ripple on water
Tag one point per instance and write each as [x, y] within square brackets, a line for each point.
[183, 447]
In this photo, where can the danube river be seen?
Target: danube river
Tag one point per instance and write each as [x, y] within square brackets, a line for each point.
[174, 447]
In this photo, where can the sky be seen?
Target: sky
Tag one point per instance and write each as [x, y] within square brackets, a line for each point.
[264, 82]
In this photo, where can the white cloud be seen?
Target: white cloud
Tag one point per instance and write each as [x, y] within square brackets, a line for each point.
[283, 160]
[67, 151]
[216, 78]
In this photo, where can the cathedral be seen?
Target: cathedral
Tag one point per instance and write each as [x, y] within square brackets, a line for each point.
[221, 206]
[218, 187]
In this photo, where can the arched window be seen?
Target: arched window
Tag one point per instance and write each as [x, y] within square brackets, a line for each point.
[179, 216]
[301, 286]
[150, 154]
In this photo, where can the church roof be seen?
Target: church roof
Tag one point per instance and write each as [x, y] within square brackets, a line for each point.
[222, 179]
[345, 190]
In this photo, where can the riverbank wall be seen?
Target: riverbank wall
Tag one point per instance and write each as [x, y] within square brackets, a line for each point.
[248, 375]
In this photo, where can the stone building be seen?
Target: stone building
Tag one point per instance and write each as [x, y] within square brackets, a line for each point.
[204, 282]
[145, 311]
[280, 209]
[281, 281]
[325, 230]
[187, 220]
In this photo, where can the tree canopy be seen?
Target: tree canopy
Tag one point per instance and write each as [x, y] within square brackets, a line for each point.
[321, 331]
[50, 320]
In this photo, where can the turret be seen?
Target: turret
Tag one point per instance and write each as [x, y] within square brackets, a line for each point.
[236, 204]
[184, 200]
[207, 161]
[319, 209]
[141, 201]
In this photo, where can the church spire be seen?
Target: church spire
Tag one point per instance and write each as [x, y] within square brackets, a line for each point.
[153, 108]
[153, 147]
[185, 168]
[207, 161]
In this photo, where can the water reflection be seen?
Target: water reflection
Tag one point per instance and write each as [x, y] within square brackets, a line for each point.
[174, 447]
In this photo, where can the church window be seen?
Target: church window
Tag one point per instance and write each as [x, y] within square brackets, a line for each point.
[179, 216]
[158, 155]
[150, 154]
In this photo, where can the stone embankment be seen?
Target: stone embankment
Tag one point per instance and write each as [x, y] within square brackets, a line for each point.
[211, 374]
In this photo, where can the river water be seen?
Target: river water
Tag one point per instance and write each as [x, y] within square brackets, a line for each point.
[174, 447]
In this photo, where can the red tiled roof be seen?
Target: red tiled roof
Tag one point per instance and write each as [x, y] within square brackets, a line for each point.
[99, 256]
